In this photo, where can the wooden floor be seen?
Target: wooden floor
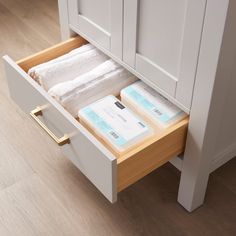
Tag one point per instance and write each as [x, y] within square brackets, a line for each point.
[42, 193]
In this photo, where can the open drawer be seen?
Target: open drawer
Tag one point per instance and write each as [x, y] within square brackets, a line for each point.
[107, 172]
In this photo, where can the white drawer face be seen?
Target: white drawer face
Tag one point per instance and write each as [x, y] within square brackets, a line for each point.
[107, 172]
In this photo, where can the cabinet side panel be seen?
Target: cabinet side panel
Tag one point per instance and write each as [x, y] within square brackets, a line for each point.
[225, 147]
[204, 115]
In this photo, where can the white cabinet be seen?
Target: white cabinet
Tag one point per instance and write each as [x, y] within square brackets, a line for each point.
[161, 41]
[186, 49]
[100, 21]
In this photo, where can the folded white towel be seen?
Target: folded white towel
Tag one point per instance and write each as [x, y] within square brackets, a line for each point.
[68, 68]
[111, 84]
[64, 89]
[32, 71]
[107, 78]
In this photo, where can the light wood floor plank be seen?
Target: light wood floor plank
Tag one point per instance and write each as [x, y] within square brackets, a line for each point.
[29, 208]
[13, 167]
[28, 12]
[17, 38]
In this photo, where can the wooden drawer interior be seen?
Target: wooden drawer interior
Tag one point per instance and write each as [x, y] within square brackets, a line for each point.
[144, 158]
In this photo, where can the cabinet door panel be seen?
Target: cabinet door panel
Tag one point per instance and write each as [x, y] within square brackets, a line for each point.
[100, 21]
[90, 9]
[161, 41]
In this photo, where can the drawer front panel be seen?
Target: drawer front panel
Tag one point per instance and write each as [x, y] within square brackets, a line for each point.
[94, 161]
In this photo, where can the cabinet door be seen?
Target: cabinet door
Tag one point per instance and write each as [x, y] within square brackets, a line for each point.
[100, 21]
[162, 40]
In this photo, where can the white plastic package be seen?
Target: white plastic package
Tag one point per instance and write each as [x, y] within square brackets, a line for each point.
[114, 123]
[151, 105]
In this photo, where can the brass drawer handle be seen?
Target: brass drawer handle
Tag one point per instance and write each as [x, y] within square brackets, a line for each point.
[60, 141]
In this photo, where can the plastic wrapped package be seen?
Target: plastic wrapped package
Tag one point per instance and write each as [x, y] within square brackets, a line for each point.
[115, 124]
[151, 105]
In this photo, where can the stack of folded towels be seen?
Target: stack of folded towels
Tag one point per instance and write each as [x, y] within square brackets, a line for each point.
[68, 66]
[107, 78]
[81, 77]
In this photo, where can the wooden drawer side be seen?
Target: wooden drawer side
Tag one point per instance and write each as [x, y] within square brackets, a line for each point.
[133, 168]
